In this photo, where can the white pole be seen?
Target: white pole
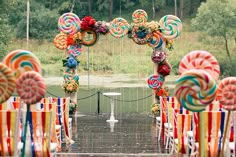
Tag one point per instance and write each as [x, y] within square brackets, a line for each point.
[27, 23]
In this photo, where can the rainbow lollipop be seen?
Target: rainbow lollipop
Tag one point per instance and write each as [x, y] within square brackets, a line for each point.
[195, 89]
[119, 27]
[170, 26]
[21, 61]
[155, 81]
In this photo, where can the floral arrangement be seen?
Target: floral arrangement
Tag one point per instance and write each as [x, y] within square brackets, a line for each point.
[169, 45]
[162, 92]
[70, 62]
[88, 22]
[73, 39]
[164, 69]
[101, 27]
[155, 110]
[72, 108]
[70, 86]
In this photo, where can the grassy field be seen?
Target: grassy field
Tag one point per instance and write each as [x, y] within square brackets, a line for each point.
[111, 55]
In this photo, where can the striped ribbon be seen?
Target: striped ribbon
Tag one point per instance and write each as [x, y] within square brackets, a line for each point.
[32, 135]
[40, 123]
[8, 129]
[184, 124]
[214, 123]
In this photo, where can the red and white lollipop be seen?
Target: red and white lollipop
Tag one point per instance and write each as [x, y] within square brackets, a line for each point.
[200, 60]
[31, 87]
[226, 93]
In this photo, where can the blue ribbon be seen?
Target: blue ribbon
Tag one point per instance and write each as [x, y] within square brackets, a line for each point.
[31, 134]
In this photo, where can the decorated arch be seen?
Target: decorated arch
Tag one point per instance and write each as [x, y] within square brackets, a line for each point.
[76, 32]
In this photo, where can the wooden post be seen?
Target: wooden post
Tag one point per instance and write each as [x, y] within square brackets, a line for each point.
[27, 24]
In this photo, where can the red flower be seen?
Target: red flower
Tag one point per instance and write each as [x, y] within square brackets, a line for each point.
[161, 92]
[164, 69]
[70, 40]
[87, 23]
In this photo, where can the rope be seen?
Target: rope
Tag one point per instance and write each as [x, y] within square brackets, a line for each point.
[87, 96]
[121, 100]
[51, 94]
[129, 100]
[78, 98]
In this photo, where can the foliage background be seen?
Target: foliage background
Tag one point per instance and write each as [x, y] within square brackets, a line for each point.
[112, 55]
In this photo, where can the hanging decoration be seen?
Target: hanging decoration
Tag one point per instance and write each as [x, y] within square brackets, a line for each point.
[159, 35]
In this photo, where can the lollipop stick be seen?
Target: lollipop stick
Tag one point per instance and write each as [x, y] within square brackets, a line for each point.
[201, 135]
[25, 130]
[234, 118]
[225, 134]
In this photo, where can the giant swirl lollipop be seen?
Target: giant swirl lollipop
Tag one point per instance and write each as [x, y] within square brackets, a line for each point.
[170, 26]
[69, 23]
[200, 60]
[119, 27]
[226, 95]
[31, 87]
[195, 89]
[21, 61]
[7, 82]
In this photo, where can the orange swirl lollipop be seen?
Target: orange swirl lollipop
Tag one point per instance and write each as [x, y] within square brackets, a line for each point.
[7, 82]
[139, 16]
[226, 93]
[200, 60]
[21, 61]
[60, 41]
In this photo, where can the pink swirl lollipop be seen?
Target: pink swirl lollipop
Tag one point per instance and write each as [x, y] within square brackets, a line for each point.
[21, 61]
[170, 26]
[139, 16]
[158, 57]
[155, 81]
[31, 87]
[195, 89]
[226, 93]
[200, 60]
[69, 23]
[119, 27]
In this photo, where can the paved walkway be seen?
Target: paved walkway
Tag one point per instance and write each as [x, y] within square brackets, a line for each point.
[133, 135]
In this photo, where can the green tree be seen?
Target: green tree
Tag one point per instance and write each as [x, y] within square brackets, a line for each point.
[5, 29]
[217, 18]
[43, 25]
